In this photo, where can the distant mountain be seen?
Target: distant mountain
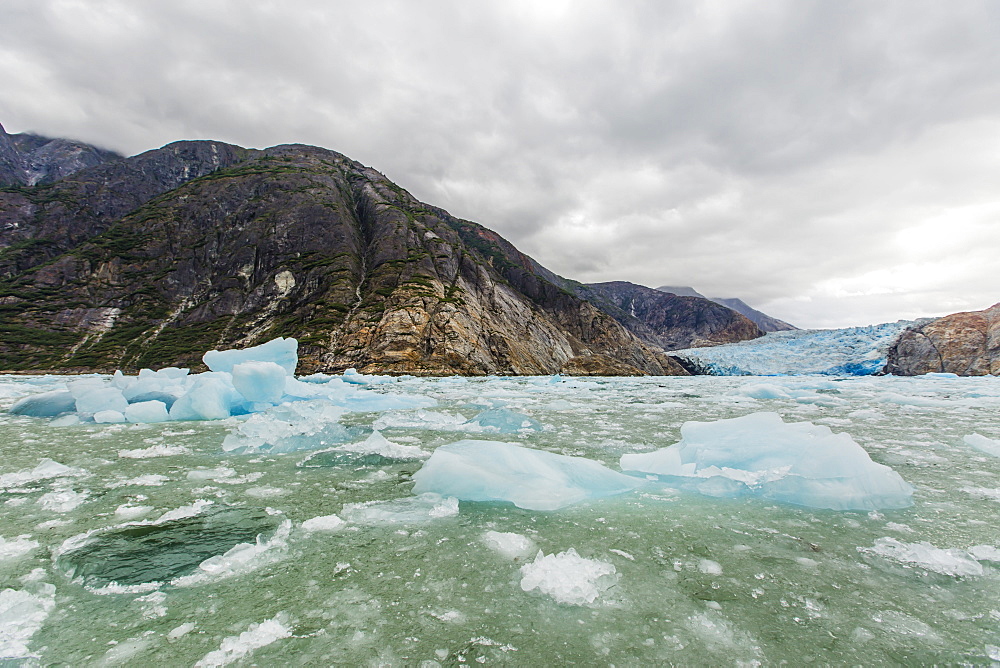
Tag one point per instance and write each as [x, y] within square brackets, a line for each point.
[152, 259]
[668, 320]
[967, 344]
[681, 291]
[762, 320]
[29, 159]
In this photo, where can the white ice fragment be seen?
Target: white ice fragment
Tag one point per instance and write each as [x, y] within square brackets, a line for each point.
[16, 547]
[709, 567]
[528, 478]
[158, 450]
[409, 510]
[181, 630]
[109, 417]
[241, 558]
[260, 381]
[568, 578]
[62, 501]
[512, 546]
[128, 511]
[985, 553]
[22, 614]
[280, 351]
[216, 474]
[800, 463]
[146, 412]
[377, 444]
[302, 425]
[324, 523]
[45, 470]
[256, 636]
[926, 556]
[988, 445]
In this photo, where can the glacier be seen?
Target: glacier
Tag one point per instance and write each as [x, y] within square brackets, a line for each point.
[851, 351]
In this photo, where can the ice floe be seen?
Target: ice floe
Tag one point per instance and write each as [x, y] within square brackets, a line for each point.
[568, 578]
[409, 510]
[988, 445]
[926, 556]
[512, 546]
[801, 463]
[528, 478]
[22, 613]
[256, 636]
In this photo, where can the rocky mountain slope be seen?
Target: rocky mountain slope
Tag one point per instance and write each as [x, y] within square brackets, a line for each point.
[28, 159]
[667, 320]
[152, 259]
[762, 320]
[967, 344]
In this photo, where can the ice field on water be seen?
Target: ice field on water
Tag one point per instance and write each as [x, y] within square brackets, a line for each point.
[246, 516]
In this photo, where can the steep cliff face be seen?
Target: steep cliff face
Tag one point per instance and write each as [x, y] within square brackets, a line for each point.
[967, 344]
[37, 223]
[667, 320]
[200, 245]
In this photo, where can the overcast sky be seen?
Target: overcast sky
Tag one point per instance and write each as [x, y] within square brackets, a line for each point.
[832, 163]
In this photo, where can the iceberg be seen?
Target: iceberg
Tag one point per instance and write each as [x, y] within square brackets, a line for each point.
[531, 479]
[46, 404]
[260, 381]
[280, 351]
[799, 463]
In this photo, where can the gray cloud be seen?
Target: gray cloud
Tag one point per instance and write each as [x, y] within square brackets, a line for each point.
[831, 163]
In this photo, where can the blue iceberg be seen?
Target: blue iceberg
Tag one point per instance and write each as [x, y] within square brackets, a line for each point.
[759, 454]
[532, 479]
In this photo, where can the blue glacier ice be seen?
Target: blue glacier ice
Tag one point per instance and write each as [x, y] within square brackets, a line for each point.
[46, 404]
[281, 351]
[759, 454]
[853, 351]
[505, 421]
[532, 479]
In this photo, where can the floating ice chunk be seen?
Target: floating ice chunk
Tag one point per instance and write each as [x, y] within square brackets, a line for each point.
[281, 351]
[180, 631]
[62, 501]
[765, 391]
[45, 470]
[159, 450]
[709, 567]
[256, 636]
[216, 474]
[568, 578]
[988, 445]
[46, 404]
[420, 419]
[410, 510]
[324, 523]
[109, 417]
[22, 614]
[210, 397]
[926, 556]
[531, 479]
[377, 444]
[146, 411]
[800, 463]
[243, 557]
[505, 421]
[301, 425]
[128, 511]
[352, 376]
[260, 381]
[985, 553]
[94, 397]
[16, 547]
[513, 546]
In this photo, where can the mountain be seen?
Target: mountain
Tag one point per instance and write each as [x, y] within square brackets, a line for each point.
[152, 259]
[967, 344]
[668, 320]
[762, 320]
[29, 159]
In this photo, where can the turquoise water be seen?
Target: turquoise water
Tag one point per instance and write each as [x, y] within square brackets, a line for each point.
[130, 560]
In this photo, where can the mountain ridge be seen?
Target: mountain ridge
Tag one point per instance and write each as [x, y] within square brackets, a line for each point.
[199, 244]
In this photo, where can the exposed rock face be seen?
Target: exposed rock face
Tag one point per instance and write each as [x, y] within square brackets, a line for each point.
[28, 159]
[200, 245]
[967, 344]
[762, 320]
[765, 322]
[665, 319]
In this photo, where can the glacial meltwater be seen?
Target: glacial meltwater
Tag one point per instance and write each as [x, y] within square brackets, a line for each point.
[839, 520]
